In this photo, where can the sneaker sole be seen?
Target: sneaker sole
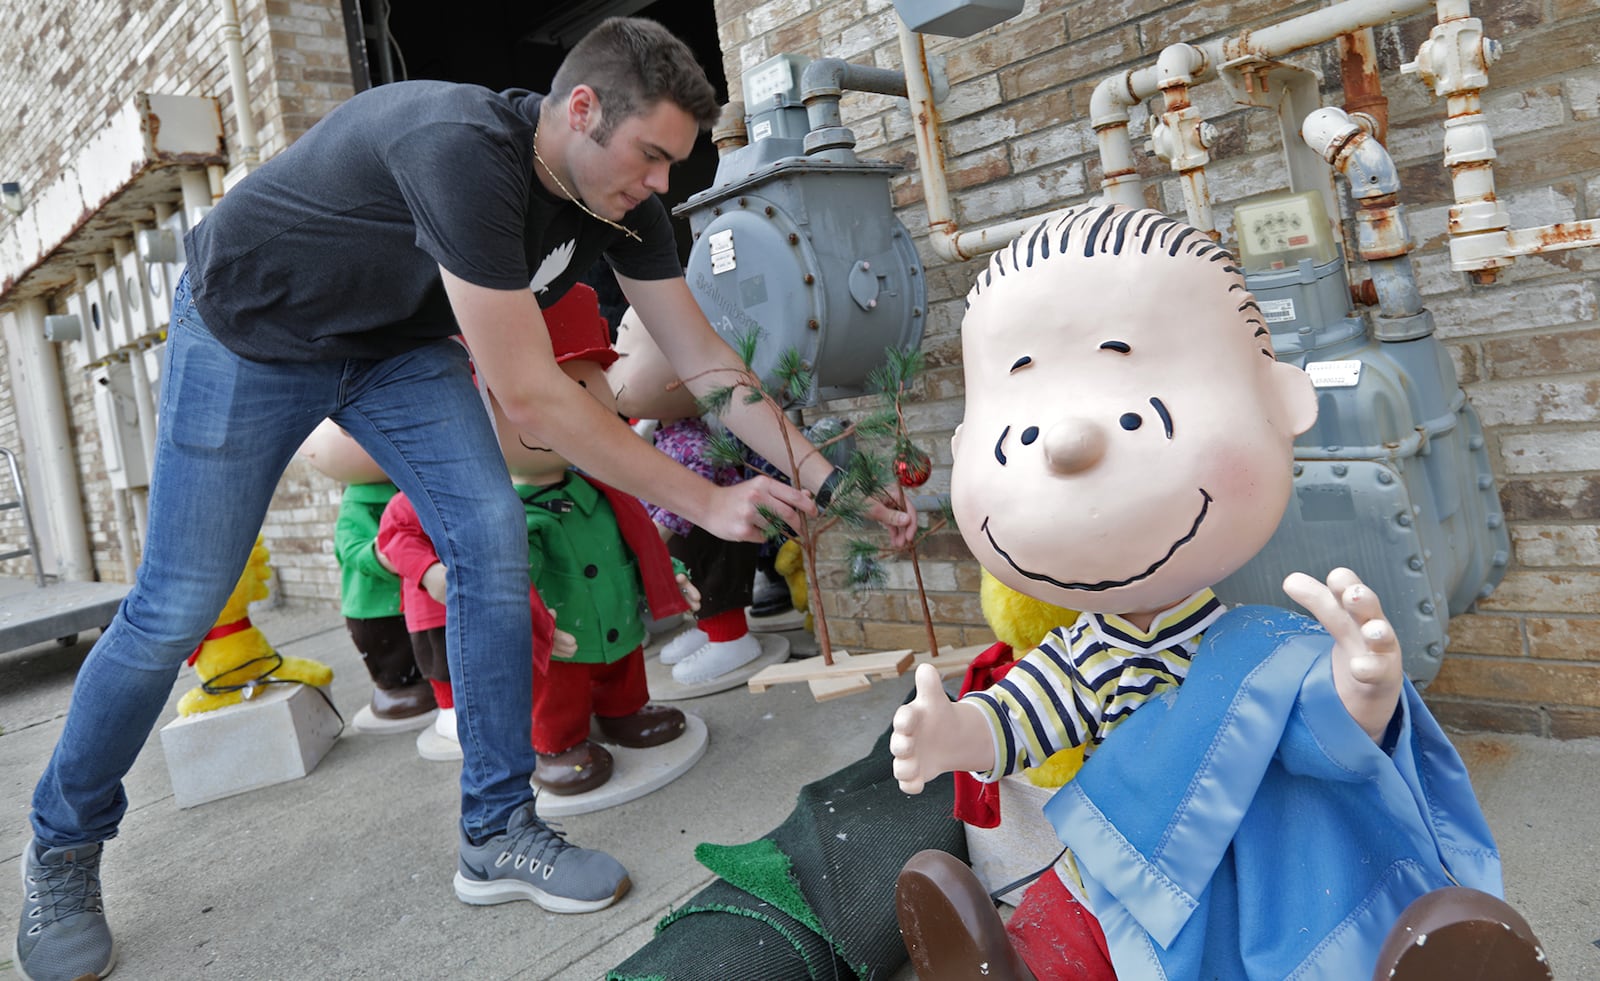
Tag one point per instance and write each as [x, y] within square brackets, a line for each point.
[476, 892]
[16, 965]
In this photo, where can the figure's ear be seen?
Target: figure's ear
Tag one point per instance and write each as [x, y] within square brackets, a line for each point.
[955, 440]
[1296, 398]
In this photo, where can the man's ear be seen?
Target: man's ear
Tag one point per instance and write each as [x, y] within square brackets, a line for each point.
[955, 439]
[583, 108]
[1295, 395]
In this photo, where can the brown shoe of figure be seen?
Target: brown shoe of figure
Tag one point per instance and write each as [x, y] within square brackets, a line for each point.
[949, 924]
[1457, 932]
[404, 702]
[650, 726]
[575, 771]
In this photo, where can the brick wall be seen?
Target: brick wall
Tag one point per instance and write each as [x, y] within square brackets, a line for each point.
[69, 67]
[1018, 142]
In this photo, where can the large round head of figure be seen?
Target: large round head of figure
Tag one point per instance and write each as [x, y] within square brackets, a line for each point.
[332, 452]
[1128, 436]
[581, 341]
[642, 379]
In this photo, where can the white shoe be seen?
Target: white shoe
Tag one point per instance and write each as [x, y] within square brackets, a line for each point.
[716, 659]
[683, 645]
[439, 741]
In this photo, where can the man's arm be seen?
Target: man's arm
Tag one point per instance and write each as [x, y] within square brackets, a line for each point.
[705, 362]
[510, 345]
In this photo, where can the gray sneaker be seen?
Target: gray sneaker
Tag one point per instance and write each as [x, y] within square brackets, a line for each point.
[63, 934]
[534, 861]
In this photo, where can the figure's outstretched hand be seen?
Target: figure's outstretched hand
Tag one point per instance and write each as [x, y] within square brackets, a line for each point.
[933, 735]
[563, 644]
[689, 592]
[435, 581]
[736, 512]
[1367, 669]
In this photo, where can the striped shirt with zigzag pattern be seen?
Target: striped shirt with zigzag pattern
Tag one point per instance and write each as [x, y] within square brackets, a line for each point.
[1083, 680]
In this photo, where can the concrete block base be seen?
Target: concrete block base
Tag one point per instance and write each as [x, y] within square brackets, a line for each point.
[280, 735]
[1023, 843]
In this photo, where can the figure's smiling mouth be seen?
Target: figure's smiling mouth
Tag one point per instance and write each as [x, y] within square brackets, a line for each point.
[1194, 529]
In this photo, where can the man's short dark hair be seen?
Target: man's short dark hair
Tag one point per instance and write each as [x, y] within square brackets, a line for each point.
[633, 63]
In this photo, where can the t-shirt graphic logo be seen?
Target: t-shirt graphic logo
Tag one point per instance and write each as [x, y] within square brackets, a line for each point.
[553, 265]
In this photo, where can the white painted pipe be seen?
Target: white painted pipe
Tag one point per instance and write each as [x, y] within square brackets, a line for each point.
[239, 80]
[39, 388]
[930, 146]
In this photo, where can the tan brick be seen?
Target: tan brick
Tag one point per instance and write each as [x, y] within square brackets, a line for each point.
[1573, 723]
[1550, 450]
[880, 636]
[1546, 592]
[1480, 634]
[1556, 545]
[1551, 497]
[1545, 353]
[1469, 715]
[1564, 638]
[1085, 62]
[1503, 679]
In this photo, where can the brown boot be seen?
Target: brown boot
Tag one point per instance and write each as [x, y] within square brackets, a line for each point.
[949, 924]
[650, 726]
[405, 702]
[577, 770]
[1457, 932]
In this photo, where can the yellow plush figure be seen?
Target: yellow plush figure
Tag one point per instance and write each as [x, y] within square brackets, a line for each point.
[235, 660]
[791, 565]
[1021, 621]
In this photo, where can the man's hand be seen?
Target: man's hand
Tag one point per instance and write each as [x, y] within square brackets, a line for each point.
[1367, 670]
[933, 735]
[735, 512]
[434, 581]
[897, 515]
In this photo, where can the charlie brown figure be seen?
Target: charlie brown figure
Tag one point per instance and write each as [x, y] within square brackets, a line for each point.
[595, 560]
[1127, 443]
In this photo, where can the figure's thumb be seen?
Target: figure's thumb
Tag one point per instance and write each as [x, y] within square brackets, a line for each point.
[930, 688]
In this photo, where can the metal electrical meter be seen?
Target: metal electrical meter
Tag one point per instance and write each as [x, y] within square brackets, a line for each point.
[1393, 480]
[803, 248]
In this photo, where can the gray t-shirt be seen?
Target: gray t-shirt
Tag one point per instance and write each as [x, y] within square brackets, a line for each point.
[332, 248]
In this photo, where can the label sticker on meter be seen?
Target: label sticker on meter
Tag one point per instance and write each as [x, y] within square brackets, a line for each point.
[1334, 374]
[722, 259]
[1277, 311]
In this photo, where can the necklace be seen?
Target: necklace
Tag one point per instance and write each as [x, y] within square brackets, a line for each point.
[624, 229]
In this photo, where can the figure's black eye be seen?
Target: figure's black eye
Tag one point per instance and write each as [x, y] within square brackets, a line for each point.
[1021, 362]
[1029, 435]
[1131, 421]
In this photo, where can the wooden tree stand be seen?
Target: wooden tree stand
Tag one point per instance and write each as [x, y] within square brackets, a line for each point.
[850, 674]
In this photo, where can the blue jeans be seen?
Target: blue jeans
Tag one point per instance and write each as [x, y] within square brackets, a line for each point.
[227, 429]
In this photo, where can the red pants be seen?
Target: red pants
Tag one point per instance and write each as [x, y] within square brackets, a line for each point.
[566, 694]
[1058, 939]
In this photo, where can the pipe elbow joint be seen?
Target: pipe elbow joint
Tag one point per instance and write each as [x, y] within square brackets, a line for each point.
[823, 78]
[1110, 101]
[1179, 64]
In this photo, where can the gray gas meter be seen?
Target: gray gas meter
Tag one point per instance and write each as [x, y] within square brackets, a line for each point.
[804, 250]
[1393, 480]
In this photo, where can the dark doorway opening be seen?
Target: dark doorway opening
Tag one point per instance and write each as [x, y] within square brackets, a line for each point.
[502, 44]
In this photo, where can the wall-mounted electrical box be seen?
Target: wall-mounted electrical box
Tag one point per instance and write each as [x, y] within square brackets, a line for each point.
[955, 18]
[804, 252]
[1393, 480]
[118, 417]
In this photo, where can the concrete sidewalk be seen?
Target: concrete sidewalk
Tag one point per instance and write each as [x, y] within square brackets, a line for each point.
[346, 873]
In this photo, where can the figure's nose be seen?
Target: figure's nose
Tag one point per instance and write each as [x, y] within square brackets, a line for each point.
[1074, 445]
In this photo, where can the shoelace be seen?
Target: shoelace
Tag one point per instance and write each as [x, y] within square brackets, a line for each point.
[537, 843]
[65, 890]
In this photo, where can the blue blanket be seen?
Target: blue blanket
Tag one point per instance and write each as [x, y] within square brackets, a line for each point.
[1244, 826]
